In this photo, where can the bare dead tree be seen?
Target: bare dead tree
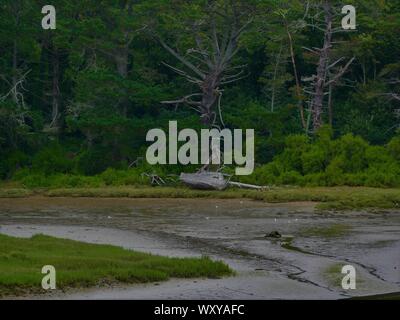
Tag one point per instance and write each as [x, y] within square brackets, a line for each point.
[18, 76]
[391, 76]
[394, 83]
[55, 89]
[51, 56]
[328, 74]
[209, 64]
[16, 93]
[274, 76]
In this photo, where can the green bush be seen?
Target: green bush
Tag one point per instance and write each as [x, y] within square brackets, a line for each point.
[348, 160]
[314, 160]
[32, 179]
[334, 172]
[295, 146]
[52, 159]
[11, 163]
[111, 177]
[290, 178]
[394, 148]
[353, 151]
[93, 161]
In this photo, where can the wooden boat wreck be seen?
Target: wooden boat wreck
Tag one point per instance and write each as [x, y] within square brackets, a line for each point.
[205, 180]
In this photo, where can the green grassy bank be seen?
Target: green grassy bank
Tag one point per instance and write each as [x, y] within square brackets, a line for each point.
[81, 265]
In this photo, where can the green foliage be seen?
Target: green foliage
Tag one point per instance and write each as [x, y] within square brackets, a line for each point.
[394, 148]
[137, 176]
[348, 160]
[11, 163]
[99, 79]
[52, 159]
[61, 180]
[93, 161]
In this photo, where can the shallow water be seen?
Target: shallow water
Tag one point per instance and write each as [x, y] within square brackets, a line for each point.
[303, 264]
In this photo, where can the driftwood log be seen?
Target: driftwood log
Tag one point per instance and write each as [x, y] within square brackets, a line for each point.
[246, 186]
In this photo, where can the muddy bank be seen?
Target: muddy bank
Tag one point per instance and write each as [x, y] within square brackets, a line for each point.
[305, 263]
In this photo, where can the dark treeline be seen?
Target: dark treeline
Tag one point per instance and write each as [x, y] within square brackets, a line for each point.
[80, 99]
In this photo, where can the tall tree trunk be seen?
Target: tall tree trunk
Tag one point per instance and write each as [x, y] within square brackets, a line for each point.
[296, 77]
[330, 106]
[15, 72]
[122, 62]
[55, 91]
[209, 98]
[318, 99]
[278, 61]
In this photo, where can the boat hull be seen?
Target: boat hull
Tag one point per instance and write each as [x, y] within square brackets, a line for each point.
[204, 180]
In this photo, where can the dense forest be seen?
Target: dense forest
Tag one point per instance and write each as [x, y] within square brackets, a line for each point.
[76, 102]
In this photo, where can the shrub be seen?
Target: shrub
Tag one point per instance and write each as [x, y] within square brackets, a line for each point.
[11, 163]
[295, 146]
[334, 172]
[353, 151]
[314, 160]
[93, 162]
[348, 160]
[290, 177]
[394, 148]
[52, 159]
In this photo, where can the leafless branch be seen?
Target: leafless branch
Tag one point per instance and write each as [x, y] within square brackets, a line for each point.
[340, 73]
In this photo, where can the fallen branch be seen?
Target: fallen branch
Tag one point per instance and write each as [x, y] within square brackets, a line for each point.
[247, 186]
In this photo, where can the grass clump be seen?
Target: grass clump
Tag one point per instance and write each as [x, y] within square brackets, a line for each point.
[332, 231]
[82, 264]
[15, 193]
[334, 275]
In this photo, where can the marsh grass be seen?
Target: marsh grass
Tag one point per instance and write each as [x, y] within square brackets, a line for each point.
[15, 193]
[327, 198]
[332, 231]
[334, 276]
[82, 264]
